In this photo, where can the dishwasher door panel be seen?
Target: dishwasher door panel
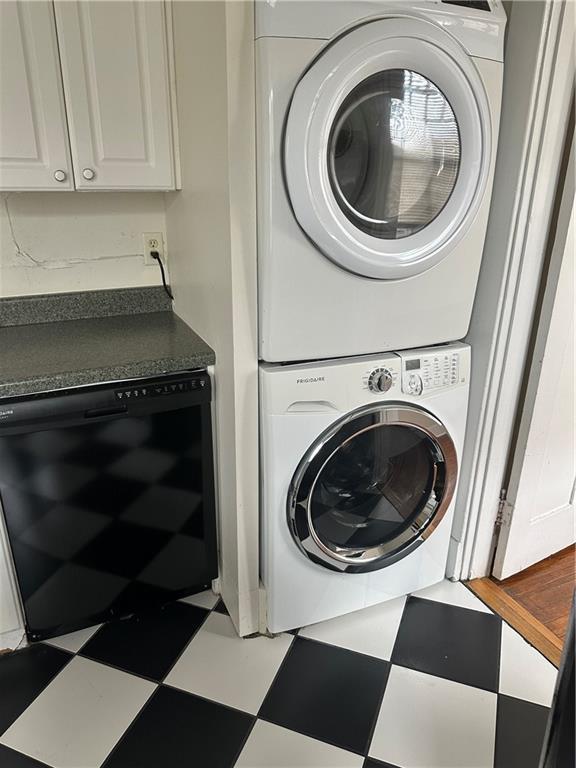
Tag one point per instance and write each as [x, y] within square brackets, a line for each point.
[109, 516]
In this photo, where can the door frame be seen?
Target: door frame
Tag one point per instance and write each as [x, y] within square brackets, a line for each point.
[528, 167]
[514, 515]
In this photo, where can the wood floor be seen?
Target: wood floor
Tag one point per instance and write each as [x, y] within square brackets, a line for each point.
[546, 589]
[537, 601]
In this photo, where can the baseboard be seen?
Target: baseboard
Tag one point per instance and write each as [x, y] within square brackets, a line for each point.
[10, 640]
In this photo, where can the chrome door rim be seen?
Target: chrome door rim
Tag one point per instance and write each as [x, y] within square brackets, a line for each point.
[431, 513]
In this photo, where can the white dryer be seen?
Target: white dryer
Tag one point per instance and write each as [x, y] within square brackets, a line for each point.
[377, 125]
[359, 467]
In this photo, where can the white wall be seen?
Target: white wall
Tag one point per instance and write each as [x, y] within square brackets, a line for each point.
[211, 226]
[54, 242]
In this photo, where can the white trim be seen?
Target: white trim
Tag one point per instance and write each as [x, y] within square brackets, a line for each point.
[410, 44]
[525, 536]
[11, 610]
[169, 21]
[12, 640]
[538, 88]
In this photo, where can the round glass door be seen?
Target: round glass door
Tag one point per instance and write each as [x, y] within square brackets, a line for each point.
[394, 154]
[372, 488]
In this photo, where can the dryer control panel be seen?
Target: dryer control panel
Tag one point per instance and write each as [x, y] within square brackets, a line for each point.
[433, 369]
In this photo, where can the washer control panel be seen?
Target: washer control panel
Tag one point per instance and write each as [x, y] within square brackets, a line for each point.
[431, 370]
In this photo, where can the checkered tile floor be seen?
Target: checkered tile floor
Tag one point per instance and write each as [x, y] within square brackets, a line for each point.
[432, 681]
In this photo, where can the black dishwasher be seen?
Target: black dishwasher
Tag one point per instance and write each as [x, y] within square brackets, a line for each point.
[108, 498]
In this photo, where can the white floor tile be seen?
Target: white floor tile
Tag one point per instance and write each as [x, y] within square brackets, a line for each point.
[221, 666]
[80, 716]
[428, 722]
[453, 593]
[74, 640]
[206, 599]
[372, 630]
[270, 746]
[525, 673]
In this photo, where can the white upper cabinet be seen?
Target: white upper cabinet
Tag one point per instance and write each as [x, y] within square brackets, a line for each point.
[95, 85]
[116, 80]
[34, 149]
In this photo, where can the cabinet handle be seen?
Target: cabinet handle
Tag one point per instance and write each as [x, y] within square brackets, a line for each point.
[88, 174]
[60, 175]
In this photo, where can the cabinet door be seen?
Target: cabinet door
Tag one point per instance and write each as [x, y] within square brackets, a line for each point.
[116, 80]
[34, 150]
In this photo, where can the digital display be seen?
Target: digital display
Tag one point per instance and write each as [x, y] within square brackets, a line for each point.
[412, 365]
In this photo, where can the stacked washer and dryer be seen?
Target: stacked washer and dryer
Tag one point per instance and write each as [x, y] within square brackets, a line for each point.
[377, 125]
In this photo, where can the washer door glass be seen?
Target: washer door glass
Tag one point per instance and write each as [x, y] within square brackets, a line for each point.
[372, 488]
[394, 154]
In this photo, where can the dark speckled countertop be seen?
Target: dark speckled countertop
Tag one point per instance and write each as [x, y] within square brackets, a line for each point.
[69, 340]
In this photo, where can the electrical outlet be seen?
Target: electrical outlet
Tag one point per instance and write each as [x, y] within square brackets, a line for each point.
[153, 241]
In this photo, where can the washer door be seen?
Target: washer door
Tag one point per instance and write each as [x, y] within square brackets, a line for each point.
[387, 148]
[372, 488]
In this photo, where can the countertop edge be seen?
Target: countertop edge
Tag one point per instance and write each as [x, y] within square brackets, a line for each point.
[104, 375]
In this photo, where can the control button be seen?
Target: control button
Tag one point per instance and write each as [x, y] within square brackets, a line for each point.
[380, 380]
[414, 384]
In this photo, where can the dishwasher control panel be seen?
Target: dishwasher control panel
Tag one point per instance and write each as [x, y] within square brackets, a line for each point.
[159, 389]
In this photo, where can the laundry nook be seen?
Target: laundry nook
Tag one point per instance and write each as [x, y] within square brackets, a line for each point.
[287, 416]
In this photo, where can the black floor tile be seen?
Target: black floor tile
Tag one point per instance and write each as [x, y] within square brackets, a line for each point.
[179, 730]
[327, 692]
[520, 727]
[23, 676]
[450, 642]
[220, 607]
[371, 763]
[11, 759]
[146, 644]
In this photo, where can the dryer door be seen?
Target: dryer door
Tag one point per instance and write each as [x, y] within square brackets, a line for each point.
[387, 148]
[372, 488]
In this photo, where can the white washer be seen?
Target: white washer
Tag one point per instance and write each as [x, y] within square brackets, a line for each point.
[359, 467]
[377, 125]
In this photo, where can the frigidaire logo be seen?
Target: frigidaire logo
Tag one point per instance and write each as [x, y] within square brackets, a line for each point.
[311, 380]
[3, 414]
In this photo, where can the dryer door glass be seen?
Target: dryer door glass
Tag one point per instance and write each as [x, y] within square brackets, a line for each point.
[372, 488]
[387, 148]
[393, 154]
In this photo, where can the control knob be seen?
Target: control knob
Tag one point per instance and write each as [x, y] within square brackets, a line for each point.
[380, 380]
